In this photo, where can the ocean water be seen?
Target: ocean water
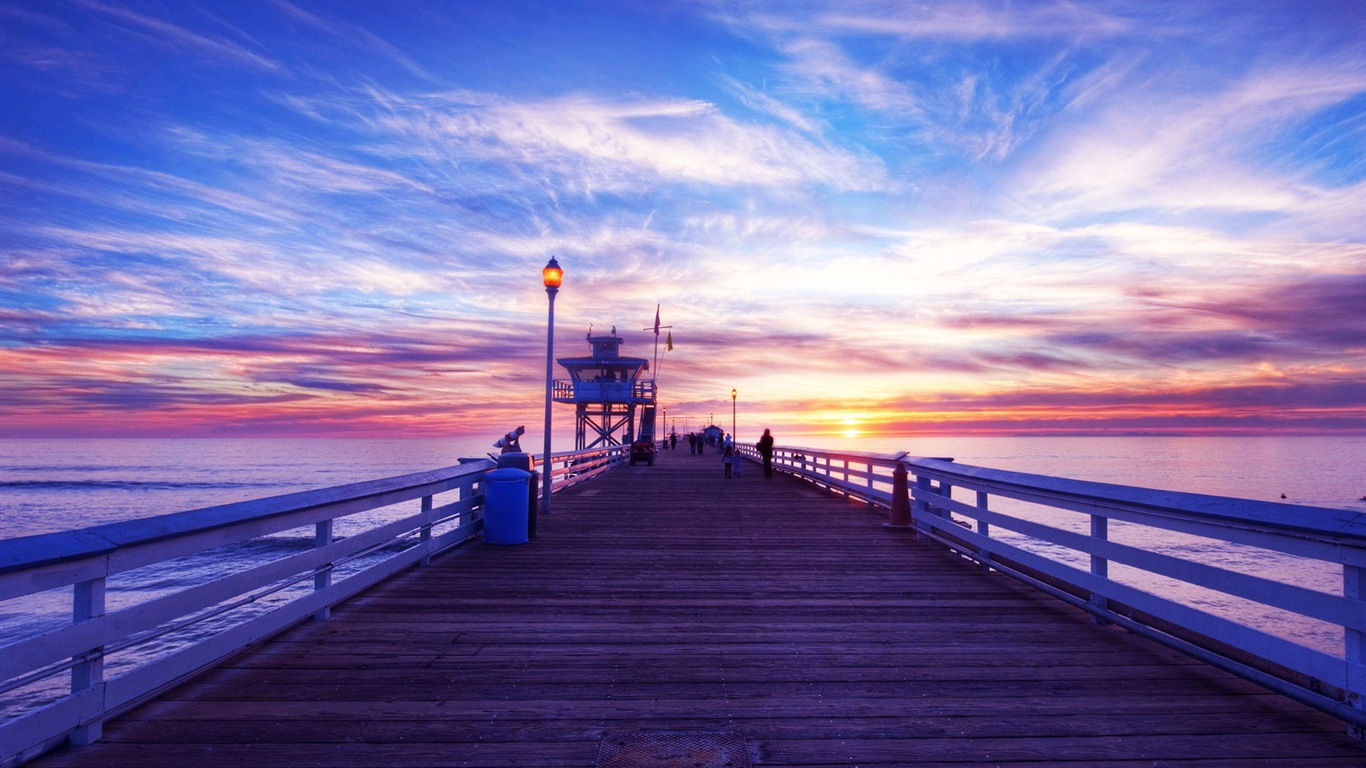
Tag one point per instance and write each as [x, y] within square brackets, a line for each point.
[49, 485]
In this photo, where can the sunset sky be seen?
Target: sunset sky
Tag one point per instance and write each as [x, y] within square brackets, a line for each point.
[328, 217]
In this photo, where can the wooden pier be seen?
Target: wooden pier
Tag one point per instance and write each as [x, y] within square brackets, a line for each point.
[669, 606]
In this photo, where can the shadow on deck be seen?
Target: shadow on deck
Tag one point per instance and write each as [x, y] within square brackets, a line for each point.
[668, 599]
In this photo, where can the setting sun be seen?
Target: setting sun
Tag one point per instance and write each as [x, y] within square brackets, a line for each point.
[852, 427]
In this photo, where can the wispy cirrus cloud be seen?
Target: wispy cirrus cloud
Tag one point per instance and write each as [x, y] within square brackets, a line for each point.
[992, 213]
[1181, 152]
[599, 145]
[166, 34]
[960, 22]
[356, 36]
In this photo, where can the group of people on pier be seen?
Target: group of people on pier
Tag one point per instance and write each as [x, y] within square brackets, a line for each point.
[730, 454]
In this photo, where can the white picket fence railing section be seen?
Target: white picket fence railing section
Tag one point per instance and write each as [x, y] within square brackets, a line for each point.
[267, 564]
[1069, 549]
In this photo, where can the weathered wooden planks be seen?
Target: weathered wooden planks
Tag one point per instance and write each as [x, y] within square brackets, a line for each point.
[667, 597]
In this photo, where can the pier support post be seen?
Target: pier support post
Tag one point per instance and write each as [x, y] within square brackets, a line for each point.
[901, 500]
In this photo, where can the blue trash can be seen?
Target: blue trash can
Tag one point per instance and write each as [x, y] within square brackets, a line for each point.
[505, 506]
[520, 460]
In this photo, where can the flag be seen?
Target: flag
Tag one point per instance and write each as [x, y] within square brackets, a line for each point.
[669, 342]
[656, 319]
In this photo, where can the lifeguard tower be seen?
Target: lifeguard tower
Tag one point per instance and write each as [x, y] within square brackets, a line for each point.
[605, 390]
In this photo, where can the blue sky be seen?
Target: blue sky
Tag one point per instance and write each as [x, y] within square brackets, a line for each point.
[1009, 217]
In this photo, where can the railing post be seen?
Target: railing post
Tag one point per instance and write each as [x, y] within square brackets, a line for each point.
[983, 529]
[868, 467]
[322, 578]
[900, 518]
[1354, 588]
[425, 534]
[922, 507]
[87, 602]
[1100, 566]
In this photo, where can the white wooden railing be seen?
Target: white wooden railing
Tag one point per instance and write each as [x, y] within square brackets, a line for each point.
[267, 564]
[1067, 536]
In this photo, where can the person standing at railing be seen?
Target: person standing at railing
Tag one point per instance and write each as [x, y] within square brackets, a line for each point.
[765, 448]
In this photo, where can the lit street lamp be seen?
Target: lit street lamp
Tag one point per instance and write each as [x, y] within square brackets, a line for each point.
[733, 436]
[551, 276]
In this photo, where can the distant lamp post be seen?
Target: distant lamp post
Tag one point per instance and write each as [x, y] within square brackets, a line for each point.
[733, 436]
[551, 276]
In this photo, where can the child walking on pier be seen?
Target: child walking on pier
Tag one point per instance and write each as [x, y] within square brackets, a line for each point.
[728, 459]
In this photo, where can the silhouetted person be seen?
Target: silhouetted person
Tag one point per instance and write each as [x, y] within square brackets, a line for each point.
[765, 446]
[733, 451]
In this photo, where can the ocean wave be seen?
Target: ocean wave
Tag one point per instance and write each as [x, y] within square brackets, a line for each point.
[49, 468]
[129, 485]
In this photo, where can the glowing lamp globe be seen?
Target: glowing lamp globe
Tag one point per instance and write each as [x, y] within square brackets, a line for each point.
[552, 275]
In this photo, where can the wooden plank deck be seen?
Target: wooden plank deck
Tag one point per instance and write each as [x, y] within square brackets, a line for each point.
[668, 599]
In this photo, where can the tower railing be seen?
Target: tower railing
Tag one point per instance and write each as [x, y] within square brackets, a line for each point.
[638, 392]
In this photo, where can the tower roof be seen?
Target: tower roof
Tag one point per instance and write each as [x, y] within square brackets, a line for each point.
[606, 353]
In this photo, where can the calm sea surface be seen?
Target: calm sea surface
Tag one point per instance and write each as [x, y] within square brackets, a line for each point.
[49, 485]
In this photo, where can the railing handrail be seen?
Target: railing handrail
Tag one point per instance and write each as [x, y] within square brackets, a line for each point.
[1335, 684]
[880, 459]
[1325, 524]
[27, 552]
[82, 560]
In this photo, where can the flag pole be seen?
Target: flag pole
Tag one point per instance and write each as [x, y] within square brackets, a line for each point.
[667, 347]
[654, 374]
[656, 340]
